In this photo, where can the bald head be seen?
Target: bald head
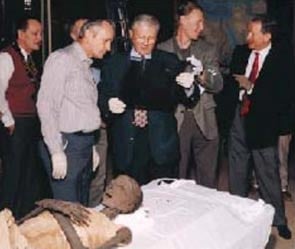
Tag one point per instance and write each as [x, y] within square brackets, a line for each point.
[96, 37]
[123, 194]
[76, 28]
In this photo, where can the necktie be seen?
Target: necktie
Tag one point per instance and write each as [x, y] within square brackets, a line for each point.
[140, 115]
[245, 107]
[140, 118]
[143, 63]
[31, 69]
[254, 70]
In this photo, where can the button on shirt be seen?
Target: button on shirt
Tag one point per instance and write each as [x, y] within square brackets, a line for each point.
[67, 100]
[7, 69]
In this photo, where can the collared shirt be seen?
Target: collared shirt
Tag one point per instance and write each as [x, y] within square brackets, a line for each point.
[262, 55]
[7, 69]
[136, 56]
[67, 100]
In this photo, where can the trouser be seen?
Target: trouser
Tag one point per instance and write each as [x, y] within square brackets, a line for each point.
[204, 152]
[283, 149]
[24, 180]
[266, 166]
[99, 177]
[143, 168]
[75, 186]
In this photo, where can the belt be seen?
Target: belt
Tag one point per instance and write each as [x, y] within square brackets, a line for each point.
[82, 134]
[24, 115]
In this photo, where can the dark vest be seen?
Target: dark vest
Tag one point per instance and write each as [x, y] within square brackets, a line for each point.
[21, 91]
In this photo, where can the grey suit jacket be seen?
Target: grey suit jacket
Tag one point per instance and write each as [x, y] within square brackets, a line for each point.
[204, 111]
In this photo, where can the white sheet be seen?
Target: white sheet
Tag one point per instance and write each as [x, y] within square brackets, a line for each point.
[183, 215]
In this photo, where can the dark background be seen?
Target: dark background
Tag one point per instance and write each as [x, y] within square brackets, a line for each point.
[64, 11]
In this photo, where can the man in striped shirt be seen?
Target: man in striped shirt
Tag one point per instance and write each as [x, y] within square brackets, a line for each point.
[67, 106]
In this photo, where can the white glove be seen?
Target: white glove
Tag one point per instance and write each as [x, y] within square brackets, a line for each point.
[197, 65]
[95, 159]
[185, 79]
[116, 105]
[59, 165]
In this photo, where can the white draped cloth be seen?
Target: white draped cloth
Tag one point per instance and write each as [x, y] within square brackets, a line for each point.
[183, 215]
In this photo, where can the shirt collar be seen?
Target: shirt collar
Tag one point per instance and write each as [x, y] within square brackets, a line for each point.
[264, 51]
[137, 57]
[81, 53]
[24, 53]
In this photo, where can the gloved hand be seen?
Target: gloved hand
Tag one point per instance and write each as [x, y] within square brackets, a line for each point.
[95, 159]
[116, 105]
[197, 65]
[59, 165]
[185, 79]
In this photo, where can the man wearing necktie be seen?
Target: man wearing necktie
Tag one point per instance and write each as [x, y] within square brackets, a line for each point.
[139, 94]
[262, 81]
[23, 177]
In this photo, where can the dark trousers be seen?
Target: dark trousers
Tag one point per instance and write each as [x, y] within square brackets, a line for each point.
[75, 186]
[266, 167]
[24, 180]
[196, 150]
[143, 168]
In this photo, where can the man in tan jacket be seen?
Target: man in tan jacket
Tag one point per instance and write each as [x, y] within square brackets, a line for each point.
[197, 124]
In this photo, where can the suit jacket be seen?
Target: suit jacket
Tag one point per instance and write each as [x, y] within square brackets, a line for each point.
[272, 100]
[161, 71]
[204, 111]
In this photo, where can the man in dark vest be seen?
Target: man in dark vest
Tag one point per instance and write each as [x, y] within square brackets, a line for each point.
[19, 131]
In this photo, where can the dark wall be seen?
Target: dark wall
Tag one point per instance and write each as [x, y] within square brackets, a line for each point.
[282, 10]
[163, 10]
[63, 11]
[10, 11]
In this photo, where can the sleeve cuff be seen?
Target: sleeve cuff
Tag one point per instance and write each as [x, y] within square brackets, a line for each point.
[190, 91]
[249, 92]
[7, 120]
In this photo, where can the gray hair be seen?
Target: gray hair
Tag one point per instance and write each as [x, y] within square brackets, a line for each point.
[147, 19]
[94, 26]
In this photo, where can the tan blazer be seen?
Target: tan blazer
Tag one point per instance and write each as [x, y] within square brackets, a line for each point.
[204, 111]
